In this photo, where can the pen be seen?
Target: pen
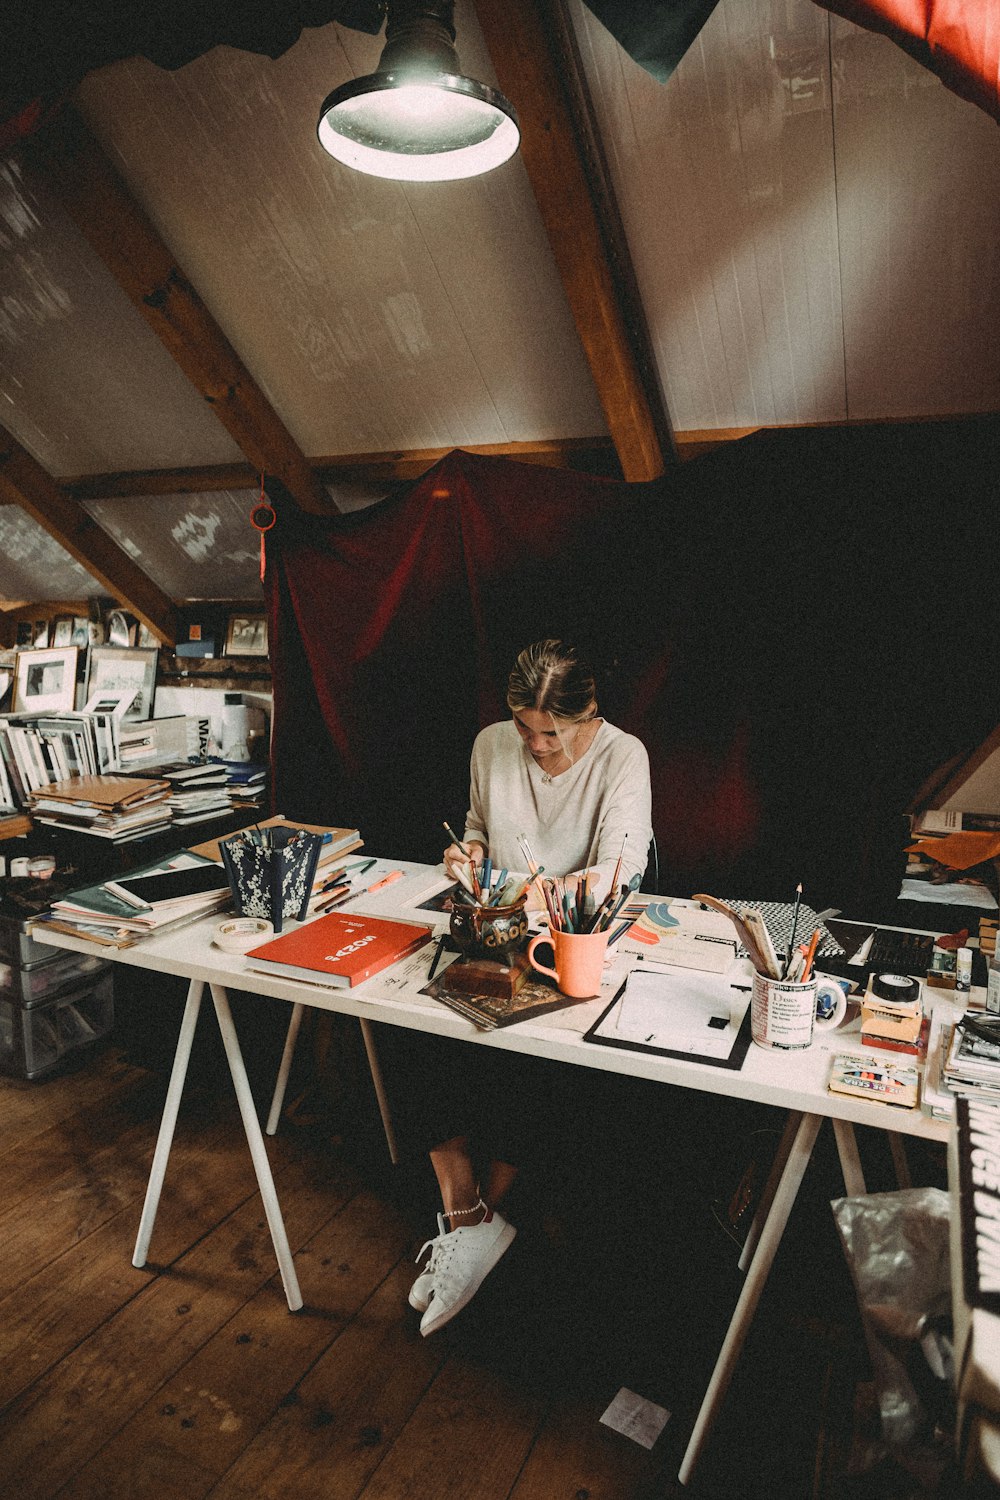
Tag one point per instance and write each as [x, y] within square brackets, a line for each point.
[386, 880]
[437, 954]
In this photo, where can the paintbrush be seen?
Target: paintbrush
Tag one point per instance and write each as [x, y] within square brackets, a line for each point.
[748, 940]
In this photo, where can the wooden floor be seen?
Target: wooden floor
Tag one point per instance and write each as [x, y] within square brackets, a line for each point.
[190, 1378]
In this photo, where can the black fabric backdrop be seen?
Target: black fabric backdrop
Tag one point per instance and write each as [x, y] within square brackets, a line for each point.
[800, 626]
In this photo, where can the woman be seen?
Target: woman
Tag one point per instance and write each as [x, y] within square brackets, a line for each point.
[578, 789]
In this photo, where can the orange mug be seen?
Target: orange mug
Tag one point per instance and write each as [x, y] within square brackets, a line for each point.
[578, 959]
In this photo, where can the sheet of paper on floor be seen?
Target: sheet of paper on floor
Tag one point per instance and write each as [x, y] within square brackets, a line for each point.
[636, 1418]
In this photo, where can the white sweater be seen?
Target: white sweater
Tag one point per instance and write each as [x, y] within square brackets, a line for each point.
[574, 821]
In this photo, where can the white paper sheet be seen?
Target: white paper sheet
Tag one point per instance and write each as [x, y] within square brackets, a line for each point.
[680, 1012]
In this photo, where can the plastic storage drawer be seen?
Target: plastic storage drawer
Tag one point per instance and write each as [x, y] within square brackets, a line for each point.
[32, 984]
[35, 1039]
[19, 947]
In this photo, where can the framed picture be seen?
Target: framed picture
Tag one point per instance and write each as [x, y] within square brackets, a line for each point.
[145, 637]
[62, 631]
[246, 635]
[114, 671]
[40, 635]
[24, 634]
[122, 628]
[8, 667]
[45, 681]
[80, 635]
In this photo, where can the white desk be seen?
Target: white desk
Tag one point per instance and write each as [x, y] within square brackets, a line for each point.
[794, 1082]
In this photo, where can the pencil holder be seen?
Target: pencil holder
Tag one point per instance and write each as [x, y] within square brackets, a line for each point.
[271, 872]
[489, 931]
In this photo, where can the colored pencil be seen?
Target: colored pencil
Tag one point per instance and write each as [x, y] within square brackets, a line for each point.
[810, 955]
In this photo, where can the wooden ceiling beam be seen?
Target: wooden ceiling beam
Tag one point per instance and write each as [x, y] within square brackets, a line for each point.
[588, 454]
[533, 53]
[125, 484]
[24, 482]
[118, 230]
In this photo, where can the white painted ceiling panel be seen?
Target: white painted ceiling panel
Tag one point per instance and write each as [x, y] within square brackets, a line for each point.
[375, 315]
[813, 241]
[918, 181]
[33, 566]
[725, 179]
[85, 385]
[198, 546]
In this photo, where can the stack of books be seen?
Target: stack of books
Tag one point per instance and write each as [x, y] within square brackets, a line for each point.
[109, 807]
[156, 898]
[339, 950]
[246, 781]
[197, 792]
[39, 749]
[972, 1061]
[336, 841]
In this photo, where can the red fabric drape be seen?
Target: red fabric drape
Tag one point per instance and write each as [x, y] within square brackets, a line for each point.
[393, 631]
[959, 40]
[757, 618]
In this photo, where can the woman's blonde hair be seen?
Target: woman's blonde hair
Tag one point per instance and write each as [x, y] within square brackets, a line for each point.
[551, 677]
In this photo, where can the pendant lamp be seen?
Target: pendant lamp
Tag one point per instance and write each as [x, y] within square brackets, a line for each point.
[416, 118]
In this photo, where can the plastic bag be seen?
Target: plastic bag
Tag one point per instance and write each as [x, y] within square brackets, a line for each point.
[896, 1246]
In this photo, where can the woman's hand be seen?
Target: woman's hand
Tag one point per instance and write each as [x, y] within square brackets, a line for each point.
[458, 863]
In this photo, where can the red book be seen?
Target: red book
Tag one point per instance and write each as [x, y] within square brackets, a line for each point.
[338, 949]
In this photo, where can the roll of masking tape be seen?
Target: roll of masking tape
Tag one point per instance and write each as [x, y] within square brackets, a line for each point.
[240, 934]
[898, 989]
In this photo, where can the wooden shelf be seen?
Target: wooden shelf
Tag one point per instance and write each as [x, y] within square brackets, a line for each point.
[16, 824]
[234, 673]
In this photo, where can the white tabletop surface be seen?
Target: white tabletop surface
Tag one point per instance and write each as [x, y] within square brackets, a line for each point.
[795, 1081]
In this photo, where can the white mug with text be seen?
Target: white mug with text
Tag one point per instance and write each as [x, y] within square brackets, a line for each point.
[784, 1014]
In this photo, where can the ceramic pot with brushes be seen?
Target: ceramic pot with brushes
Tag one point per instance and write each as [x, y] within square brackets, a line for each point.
[489, 931]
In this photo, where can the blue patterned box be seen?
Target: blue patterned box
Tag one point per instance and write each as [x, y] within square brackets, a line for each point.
[271, 871]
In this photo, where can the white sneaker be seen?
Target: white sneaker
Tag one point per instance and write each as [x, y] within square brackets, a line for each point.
[420, 1291]
[460, 1262]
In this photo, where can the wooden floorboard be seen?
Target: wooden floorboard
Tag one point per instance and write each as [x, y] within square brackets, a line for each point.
[189, 1378]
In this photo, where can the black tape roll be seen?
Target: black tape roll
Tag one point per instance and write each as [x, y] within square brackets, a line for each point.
[898, 989]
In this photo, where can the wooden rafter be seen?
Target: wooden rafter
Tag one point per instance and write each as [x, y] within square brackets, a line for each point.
[119, 232]
[560, 151]
[24, 482]
[588, 454]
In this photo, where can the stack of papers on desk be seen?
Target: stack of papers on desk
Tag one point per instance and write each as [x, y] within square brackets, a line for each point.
[96, 913]
[690, 1015]
[197, 792]
[681, 933]
[972, 1066]
[937, 1096]
[109, 807]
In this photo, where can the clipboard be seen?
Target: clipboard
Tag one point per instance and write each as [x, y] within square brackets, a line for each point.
[718, 995]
